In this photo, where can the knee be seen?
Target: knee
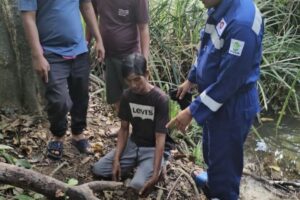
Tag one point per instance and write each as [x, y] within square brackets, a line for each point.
[96, 169]
[136, 184]
[99, 169]
[59, 106]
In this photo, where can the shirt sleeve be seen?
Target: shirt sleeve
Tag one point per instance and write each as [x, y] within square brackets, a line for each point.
[239, 53]
[27, 5]
[162, 114]
[142, 11]
[124, 112]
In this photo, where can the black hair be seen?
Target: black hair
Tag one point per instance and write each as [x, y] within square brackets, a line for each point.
[134, 63]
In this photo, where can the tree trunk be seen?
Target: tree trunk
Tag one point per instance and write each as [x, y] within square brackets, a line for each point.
[20, 88]
[51, 187]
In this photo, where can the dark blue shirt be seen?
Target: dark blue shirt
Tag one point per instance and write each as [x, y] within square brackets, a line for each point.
[59, 25]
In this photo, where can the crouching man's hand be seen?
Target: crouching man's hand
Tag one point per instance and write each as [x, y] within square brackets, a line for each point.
[148, 186]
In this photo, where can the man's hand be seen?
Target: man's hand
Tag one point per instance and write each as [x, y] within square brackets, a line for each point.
[41, 66]
[88, 13]
[183, 89]
[148, 186]
[116, 170]
[100, 52]
[181, 121]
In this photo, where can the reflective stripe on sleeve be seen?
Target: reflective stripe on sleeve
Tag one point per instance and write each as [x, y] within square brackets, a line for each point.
[211, 29]
[256, 26]
[209, 102]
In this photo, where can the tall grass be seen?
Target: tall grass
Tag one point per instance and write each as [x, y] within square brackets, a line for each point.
[174, 27]
[281, 54]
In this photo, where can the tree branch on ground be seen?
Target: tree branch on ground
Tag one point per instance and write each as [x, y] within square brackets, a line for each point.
[51, 187]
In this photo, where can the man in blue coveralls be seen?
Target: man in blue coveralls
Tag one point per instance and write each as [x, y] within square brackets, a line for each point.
[59, 55]
[226, 70]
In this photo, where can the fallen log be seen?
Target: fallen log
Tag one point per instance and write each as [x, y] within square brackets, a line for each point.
[51, 187]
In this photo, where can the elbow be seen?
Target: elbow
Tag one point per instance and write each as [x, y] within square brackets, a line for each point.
[143, 28]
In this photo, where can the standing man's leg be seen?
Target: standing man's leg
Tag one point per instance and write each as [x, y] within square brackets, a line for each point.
[205, 144]
[58, 102]
[79, 92]
[115, 83]
[225, 156]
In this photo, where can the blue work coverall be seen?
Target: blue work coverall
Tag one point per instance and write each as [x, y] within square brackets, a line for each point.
[226, 70]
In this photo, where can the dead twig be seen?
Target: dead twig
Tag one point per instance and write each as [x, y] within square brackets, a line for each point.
[159, 194]
[272, 182]
[174, 185]
[190, 179]
[58, 168]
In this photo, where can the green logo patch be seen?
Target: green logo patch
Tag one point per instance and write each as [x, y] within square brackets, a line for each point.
[236, 47]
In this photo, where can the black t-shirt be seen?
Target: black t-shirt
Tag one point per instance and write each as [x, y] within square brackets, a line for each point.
[148, 114]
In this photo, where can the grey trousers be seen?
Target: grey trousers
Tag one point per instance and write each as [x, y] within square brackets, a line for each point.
[67, 91]
[132, 156]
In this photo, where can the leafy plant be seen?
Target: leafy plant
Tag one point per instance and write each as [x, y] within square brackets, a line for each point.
[72, 182]
[197, 153]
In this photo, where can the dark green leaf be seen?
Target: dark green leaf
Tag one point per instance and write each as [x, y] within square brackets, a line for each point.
[23, 163]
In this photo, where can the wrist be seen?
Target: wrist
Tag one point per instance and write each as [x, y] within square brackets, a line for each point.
[189, 83]
[116, 159]
[36, 55]
[98, 39]
[188, 111]
[155, 177]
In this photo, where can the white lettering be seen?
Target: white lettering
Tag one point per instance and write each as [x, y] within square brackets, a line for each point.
[142, 111]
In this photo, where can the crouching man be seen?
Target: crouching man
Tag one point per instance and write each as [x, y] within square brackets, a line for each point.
[145, 107]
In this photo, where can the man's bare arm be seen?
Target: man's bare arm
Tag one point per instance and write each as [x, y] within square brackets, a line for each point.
[145, 39]
[160, 139]
[87, 11]
[121, 143]
[39, 62]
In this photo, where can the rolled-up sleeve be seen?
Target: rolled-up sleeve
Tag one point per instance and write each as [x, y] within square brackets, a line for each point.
[27, 5]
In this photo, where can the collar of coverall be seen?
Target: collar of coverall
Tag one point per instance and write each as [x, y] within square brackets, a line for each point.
[218, 13]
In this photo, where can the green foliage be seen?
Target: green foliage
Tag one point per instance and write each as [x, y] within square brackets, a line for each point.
[23, 163]
[174, 28]
[10, 159]
[72, 182]
[5, 147]
[281, 53]
[173, 108]
[197, 154]
[23, 197]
